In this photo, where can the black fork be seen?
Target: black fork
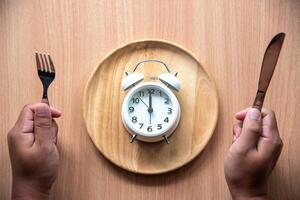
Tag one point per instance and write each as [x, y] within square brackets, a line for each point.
[46, 72]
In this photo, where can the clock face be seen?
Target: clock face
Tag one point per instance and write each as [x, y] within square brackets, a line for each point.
[150, 110]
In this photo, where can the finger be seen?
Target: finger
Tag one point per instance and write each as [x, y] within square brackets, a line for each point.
[241, 114]
[270, 147]
[269, 124]
[237, 129]
[55, 112]
[26, 116]
[54, 131]
[16, 140]
[270, 140]
[42, 124]
[21, 134]
[251, 130]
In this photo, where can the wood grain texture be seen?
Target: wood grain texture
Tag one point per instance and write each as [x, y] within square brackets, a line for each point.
[228, 37]
[103, 98]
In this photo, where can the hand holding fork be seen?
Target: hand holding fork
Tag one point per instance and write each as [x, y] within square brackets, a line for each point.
[32, 142]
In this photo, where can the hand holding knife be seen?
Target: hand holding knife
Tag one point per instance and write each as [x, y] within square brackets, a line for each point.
[256, 139]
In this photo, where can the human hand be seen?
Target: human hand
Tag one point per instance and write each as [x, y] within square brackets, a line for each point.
[253, 154]
[33, 152]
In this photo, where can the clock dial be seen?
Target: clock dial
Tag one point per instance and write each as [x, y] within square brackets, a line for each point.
[150, 111]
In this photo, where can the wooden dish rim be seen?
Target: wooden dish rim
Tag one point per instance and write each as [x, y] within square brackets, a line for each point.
[212, 81]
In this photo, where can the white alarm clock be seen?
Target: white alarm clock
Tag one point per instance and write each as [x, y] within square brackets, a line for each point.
[150, 110]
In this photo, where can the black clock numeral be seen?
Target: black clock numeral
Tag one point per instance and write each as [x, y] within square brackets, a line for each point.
[159, 126]
[141, 93]
[149, 129]
[135, 100]
[134, 119]
[131, 109]
[151, 91]
[166, 120]
[167, 101]
[160, 93]
[141, 125]
[169, 111]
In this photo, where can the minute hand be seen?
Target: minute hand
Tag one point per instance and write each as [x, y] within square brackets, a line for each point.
[150, 109]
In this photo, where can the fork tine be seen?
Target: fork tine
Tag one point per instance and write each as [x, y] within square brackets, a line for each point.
[43, 64]
[46, 63]
[51, 64]
[38, 64]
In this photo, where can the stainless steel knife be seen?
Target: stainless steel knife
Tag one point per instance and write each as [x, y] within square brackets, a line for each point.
[267, 69]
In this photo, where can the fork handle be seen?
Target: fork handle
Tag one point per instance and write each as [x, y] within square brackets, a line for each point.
[45, 100]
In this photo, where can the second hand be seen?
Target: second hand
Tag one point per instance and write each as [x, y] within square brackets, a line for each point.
[143, 102]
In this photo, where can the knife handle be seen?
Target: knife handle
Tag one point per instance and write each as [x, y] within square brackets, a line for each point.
[259, 100]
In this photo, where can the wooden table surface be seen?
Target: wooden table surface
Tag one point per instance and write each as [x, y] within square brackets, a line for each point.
[229, 37]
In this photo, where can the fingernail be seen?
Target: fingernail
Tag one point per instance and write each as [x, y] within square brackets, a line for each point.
[254, 114]
[56, 110]
[234, 138]
[42, 111]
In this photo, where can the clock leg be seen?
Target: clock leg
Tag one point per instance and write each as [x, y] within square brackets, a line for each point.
[132, 138]
[166, 139]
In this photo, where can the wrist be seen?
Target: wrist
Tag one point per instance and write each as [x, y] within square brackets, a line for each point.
[258, 193]
[249, 196]
[261, 197]
[28, 190]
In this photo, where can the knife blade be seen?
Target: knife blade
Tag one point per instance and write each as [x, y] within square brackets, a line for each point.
[267, 69]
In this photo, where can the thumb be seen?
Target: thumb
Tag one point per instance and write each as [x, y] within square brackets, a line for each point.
[42, 124]
[251, 130]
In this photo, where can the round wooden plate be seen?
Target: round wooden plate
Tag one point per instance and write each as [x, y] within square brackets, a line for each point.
[103, 98]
